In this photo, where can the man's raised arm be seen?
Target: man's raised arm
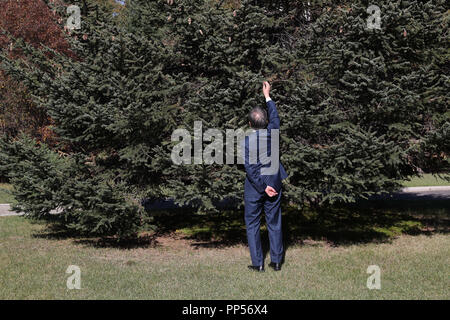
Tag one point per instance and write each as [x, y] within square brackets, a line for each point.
[272, 113]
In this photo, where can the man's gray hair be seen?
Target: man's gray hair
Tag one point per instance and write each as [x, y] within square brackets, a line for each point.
[258, 118]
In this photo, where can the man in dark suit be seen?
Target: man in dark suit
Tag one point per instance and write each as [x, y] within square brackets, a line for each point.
[263, 183]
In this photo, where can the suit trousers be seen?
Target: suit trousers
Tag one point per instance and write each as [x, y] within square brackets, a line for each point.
[254, 205]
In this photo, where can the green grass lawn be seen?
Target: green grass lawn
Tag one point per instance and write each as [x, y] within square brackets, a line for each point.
[33, 261]
[205, 257]
[5, 195]
[426, 180]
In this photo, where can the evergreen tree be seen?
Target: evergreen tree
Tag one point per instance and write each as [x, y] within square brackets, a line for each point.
[383, 86]
[360, 108]
[107, 139]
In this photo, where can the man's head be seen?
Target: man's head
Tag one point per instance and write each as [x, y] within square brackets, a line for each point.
[258, 118]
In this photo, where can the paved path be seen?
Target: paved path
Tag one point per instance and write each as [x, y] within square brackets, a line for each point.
[5, 211]
[415, 193]
[439, 194]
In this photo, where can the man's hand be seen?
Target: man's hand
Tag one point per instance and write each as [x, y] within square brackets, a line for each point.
[271, 191]
[266, 89]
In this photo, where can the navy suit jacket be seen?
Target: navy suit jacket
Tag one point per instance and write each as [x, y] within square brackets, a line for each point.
[254, 162]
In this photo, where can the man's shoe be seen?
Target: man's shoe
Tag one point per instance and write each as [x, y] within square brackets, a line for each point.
[275, 266]
[257, 268]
